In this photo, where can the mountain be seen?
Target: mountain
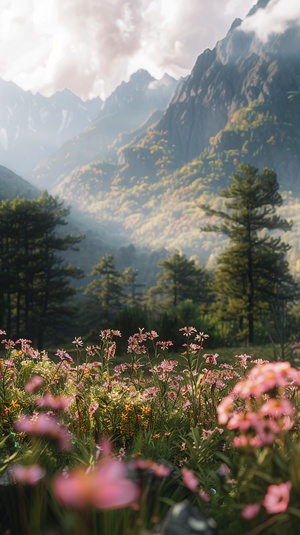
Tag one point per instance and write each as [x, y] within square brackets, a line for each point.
[159, 149]
[233, 108]
[33, 126]
[238, 71]
[12, 186]
[126, 110]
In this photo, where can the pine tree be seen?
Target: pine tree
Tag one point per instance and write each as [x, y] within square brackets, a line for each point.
[35, 286]
[253, 270]
[105, 288]
[180, 280]
[133, 296]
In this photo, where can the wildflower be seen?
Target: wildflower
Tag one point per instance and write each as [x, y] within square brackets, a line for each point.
[27, 475]
[43, 425]
[224, 409]
[109, 352]
[164, 345]
[251, 511]
[107, 334]
[277, 407]
[104, 488]
[152, 334]
[243, 360]
[93, 407]
[210, 358]
[78, 341]
[194, 348]
[91, 350]
[63, 355]
[187, 331]
[203, 495]
[187, 403]
[189, 479]
[277, 498]
[150, 393]
[2, 332]
[160, 470]
[266, 430]
[34, 383]
[206, 433]
[25, 344]
[55, 403]
[121, 454]
[8, 343]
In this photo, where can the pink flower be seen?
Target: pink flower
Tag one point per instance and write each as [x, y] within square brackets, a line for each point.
[277, 407]
[189, 479]
[242, 420]
[34, 383]
[243, 360]
[210, 358]
[104, 488]
[251, 511]
[277, 498]
[55, 403]
[93, 407]
[63, 355]
[28, 475]
[160, 470]
[107, 334]
[43, 425]
[224, 409]
[267, 430]
[204, 496]
[187, 331]
[164, 345]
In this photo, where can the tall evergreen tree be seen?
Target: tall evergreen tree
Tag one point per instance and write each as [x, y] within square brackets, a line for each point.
[133, 295]
[105, 288]
[180, 280]
[34, 278]
[253, 270]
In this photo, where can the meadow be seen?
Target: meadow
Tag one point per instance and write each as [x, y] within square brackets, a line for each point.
[94, 443]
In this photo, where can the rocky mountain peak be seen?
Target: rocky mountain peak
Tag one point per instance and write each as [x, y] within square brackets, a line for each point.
[240, 69]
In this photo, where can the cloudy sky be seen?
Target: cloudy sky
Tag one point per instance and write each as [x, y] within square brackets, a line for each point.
[90, 46]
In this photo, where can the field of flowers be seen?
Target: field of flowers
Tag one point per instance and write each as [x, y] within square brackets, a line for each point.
[96, 444]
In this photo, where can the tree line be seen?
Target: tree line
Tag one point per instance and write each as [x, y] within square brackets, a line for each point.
[249, 290]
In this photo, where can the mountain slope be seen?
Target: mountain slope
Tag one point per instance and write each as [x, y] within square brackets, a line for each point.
[33, 126]
[238, 71]
[12, 186]
[127, 108]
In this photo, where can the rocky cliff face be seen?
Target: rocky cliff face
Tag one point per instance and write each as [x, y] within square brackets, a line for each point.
[239, 70]
[125, 111]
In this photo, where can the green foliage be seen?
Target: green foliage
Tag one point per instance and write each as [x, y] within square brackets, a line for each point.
[223, 436]
[252, 272]
[181, 279]
[154, 197]
[35, 281]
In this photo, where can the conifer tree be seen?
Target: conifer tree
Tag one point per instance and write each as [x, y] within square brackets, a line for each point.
[35, 280]
[180, 280]
[253, 270]
[133, 296]
[105, 288]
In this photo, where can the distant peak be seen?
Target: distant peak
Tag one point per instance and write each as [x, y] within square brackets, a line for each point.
[141, 74]
[261, 4]
[235, 24]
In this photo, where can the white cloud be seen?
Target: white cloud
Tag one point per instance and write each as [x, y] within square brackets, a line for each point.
[275, 18]
[90, 46]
